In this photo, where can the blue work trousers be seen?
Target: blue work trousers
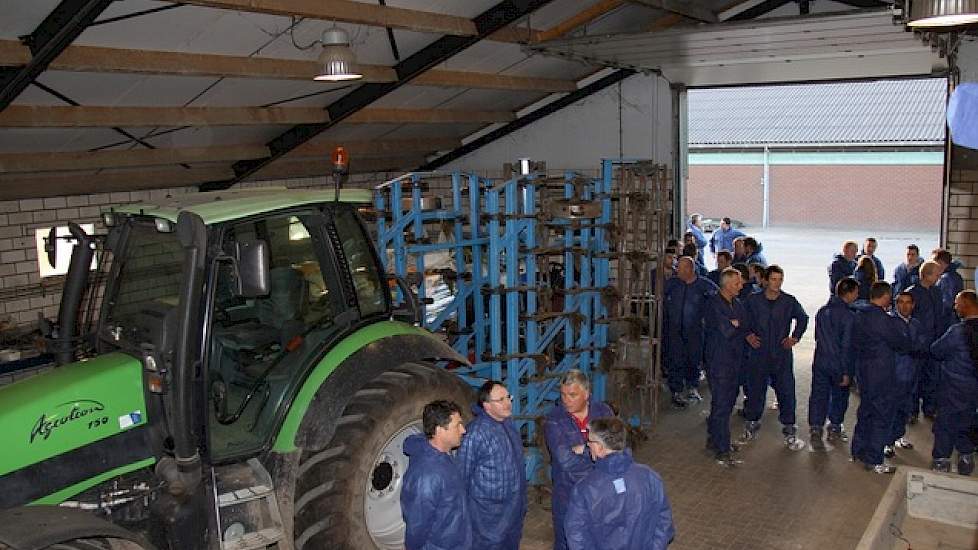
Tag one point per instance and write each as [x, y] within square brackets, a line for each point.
[874, 420]
[782, 379]
[827, 400]
[905, 391]
[952, 430]
[723, 396]
[927, 381]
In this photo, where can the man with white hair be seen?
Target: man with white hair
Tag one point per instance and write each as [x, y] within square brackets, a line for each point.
[566, 431]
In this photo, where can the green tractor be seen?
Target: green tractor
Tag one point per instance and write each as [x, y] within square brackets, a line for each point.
[240, 381]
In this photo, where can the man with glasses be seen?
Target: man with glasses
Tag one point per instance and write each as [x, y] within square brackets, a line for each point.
[491, 463]
[566, 430]
[620, 505]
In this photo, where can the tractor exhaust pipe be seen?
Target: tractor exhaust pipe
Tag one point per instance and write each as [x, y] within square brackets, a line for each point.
[76, 281]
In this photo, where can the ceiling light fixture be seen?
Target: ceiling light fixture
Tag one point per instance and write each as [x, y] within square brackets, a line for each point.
[942, 13]
[337, 59]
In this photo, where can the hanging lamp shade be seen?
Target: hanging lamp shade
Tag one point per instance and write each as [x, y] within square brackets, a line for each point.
[337, 59]
[943, 13]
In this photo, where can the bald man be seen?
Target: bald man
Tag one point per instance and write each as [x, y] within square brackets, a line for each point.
[686, 296]
[957, 392]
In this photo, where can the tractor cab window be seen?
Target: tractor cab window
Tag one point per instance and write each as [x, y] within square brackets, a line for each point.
[259, 346]
[359, 252]
[143, 294]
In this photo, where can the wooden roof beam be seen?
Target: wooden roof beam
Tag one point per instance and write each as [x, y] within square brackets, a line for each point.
[52, 185]
[43, 116]
[91, 160]
[119, 60]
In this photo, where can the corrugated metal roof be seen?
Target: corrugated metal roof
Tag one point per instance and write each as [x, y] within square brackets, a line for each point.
[886, 112]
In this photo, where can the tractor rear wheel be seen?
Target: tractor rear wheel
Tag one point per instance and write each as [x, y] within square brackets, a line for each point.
[347, 493]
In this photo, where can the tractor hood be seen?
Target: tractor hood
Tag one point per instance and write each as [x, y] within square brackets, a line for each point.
[70, 407]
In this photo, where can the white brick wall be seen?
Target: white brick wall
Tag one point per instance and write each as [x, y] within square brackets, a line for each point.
[962, 216]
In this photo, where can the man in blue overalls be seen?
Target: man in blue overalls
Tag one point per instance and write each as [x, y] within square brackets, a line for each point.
[770, 360]
[726, 330]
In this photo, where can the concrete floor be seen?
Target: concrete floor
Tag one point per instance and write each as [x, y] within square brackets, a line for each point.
[777, 499]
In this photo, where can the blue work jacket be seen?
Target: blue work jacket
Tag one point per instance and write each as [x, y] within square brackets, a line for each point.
[491, 464]
[723, 239]
[904, 277]
[620, 505]
[877, 338]
[908, 363]
[958, 384]
[949, 285]
[771, 321]
[833, 339]
[839, 269]
[928, 309]
[865, 285]
[562, 435]
[724, 341]
[685, 306]
[433, 501]
[698, 236]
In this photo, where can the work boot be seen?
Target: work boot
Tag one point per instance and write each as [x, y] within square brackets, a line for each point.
[816, 439]
[903, 443]
[883, 468]
[727, 459]
[678, 402]
[693, 395]
[837, 433]
[966, 464]
[941, 465]
[888, 451]
[751, 427]
[793, 443]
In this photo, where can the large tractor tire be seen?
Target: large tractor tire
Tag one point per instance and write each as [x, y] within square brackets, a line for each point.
[347, 493]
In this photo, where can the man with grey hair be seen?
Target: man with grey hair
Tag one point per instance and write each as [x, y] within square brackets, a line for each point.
[566, 431]
[620, 505]
[726, 333]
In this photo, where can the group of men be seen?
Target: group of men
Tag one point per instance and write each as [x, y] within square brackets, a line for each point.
[476, 498]
[901, 344]
[909, 347]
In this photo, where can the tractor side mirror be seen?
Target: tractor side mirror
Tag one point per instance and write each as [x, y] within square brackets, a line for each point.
[251, 269]
[51, 246]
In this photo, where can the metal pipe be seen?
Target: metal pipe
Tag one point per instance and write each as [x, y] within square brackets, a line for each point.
[76, 282]
[766, 186]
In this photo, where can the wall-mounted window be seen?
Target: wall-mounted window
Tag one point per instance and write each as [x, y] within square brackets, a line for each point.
[64, 248]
